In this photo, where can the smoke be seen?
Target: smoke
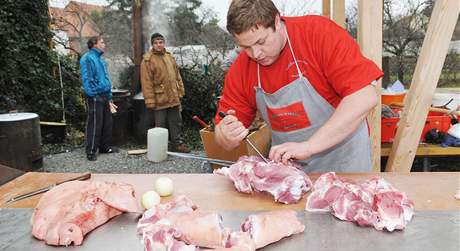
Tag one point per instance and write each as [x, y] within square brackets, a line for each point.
[154, 19]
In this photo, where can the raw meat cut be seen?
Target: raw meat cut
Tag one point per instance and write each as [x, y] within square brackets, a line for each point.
[180, 225]
[183, 223]
[162, 238]
[394, 210]
[268, 227]
[374, 202]
[238, 241]
[154, 214]
[201, 228]
[287, 183]
[66, 213]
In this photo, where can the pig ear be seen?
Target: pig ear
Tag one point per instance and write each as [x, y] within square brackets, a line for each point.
[119, 196]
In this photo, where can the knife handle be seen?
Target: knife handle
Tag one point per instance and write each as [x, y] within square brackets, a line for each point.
[201, 122]
[222, 114]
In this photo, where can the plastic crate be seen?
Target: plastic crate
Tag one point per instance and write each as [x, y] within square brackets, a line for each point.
[389, 98]
[261, 138]
[435, 120]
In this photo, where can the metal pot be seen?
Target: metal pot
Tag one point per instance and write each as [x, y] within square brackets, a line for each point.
[143, 119]
[122, 119]
[20, 141]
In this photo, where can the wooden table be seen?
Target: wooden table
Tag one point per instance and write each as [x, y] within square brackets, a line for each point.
[429, 191]
[426, 150]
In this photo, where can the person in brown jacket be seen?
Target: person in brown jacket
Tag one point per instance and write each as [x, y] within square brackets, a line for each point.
[163, 89]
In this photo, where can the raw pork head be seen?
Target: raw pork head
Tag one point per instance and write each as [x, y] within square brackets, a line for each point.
[66, 213]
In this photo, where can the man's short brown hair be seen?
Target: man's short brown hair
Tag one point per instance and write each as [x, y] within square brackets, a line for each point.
[245, 14]
[92, 41]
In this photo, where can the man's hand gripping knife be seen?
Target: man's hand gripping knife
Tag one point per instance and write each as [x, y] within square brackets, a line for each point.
[230, 131]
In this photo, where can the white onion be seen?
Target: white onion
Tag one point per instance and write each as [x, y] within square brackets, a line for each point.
[164, 186]
[150, 199]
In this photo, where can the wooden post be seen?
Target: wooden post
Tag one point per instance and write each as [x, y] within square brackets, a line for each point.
[338, 12]
[137, 42]
[327, 8]
[370, 26]
[423, 85]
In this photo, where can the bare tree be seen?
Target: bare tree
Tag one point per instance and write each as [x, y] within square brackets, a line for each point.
[351, 20]
[294, 7]
[73, 21]
[451, 68]
[404, 31]
[115, 23]
[193, 24]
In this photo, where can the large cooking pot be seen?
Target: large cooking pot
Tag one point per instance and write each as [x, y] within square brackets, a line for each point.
[20, 141]
[143, 119]
[122, 119]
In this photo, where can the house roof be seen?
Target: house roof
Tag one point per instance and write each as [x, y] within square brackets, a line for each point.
[75, 19]
[86, 7]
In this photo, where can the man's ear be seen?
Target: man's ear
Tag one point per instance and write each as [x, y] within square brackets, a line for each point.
[277, 22]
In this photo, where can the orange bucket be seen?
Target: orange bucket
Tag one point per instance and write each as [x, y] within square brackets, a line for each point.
[390, 98]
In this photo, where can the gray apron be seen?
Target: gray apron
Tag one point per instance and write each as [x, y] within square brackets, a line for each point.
[296, 111]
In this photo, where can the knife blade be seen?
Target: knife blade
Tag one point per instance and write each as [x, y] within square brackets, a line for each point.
[222, 115]
[192, 156]
[85, 176]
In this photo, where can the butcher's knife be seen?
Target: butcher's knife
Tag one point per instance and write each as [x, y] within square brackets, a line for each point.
[85, 176]
[222, 115]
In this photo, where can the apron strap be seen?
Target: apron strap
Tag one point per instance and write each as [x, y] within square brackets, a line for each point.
[258, 76]
[292, 52]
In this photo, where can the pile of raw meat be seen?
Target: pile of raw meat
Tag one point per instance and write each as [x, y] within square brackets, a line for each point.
[179, 225]
[66, 213]
[287, 183]
[373, 202]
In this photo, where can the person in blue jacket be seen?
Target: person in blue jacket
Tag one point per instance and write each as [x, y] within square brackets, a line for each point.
[99, 105]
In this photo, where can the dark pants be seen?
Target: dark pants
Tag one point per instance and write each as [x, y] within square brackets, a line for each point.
[98, 124]
[170, 118]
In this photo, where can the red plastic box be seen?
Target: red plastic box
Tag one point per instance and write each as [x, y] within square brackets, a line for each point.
[436, 120]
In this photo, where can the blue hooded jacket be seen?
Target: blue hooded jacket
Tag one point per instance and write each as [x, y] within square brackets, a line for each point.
[94, 74]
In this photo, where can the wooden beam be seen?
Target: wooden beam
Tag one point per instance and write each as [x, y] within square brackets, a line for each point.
[327, 8]
[370, 26]
[137, 42]
[338, 12]
[423, 85]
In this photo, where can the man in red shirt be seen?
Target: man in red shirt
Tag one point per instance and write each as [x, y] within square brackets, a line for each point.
[310, 83]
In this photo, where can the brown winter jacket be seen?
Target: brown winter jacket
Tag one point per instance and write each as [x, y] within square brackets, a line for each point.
[161, 82]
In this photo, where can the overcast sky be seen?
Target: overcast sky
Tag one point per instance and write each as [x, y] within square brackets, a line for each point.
[220, 7]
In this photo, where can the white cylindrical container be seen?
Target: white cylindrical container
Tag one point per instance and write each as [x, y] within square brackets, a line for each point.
[157, 144]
